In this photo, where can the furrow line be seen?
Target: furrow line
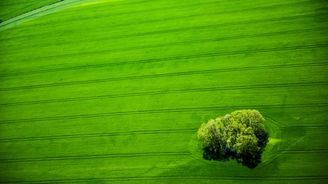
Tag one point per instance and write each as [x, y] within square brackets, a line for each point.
[304, 151]
[170, 91]
[100, 156]
[156, 111]
[141, 178]
[31, 14]
[175, 74]
[225, 11]
[124, 13]
[185, 57]
[91, 135]
[305, 126]
[177, 43]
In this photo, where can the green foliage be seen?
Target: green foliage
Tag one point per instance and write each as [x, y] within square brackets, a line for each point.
[239, 135]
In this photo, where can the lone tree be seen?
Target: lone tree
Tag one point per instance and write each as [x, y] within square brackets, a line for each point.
[239, 135]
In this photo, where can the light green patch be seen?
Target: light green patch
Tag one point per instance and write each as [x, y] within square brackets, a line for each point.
[95, 2]
[273, 141]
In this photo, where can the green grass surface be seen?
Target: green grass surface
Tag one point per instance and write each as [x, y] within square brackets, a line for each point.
[12, 8]
[114, 91]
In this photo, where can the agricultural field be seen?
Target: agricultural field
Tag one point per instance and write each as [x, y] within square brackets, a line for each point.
[113, 91]
[13, 8]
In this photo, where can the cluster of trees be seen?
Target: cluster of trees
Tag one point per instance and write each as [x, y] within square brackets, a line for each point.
[239, 135]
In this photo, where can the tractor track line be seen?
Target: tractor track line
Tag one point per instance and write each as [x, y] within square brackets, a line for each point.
[226, 11]
[99, 156]
[174, 74]
[155, 111]
[168, 178]
[182, 43]
[169, 91]
[92, 135]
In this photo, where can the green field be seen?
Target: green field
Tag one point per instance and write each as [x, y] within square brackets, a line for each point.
[12, 8]
[113, 91]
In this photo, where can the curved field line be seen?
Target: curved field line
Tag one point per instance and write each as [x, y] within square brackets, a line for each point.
[197, 56]
[126, 13]
[188, 41]
[161, 45]
[148, 10]
[168, 178]
[229, 53]
[174, 74]
[174, 58]
[226, 11]
[176, 30]
[100, 156]
[305, 126]
[189, 5]
[130, 12]
[181, 43]
[43, 10]
[170, 91]
[173, 30]
[178, 43]
[275, 121]
[17, 10]
[290, 151]
[155, 111]
[72, 136]
[35, 13]
[286, 151]
[138, 132]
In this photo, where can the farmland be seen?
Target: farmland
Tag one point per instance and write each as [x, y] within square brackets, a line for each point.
[113, 91]
[11, 9]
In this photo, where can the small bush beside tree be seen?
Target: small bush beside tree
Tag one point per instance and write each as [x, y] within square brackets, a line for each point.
[239, 135]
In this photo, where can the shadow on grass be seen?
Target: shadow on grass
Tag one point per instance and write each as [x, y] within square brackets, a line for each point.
[199, 170]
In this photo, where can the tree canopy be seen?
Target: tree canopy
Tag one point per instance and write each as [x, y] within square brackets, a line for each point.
[239, 135]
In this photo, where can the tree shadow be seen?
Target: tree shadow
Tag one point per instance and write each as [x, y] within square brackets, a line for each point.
[199, 170]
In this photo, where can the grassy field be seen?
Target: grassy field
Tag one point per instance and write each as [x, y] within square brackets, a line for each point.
[113, 91]
[12, 8]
